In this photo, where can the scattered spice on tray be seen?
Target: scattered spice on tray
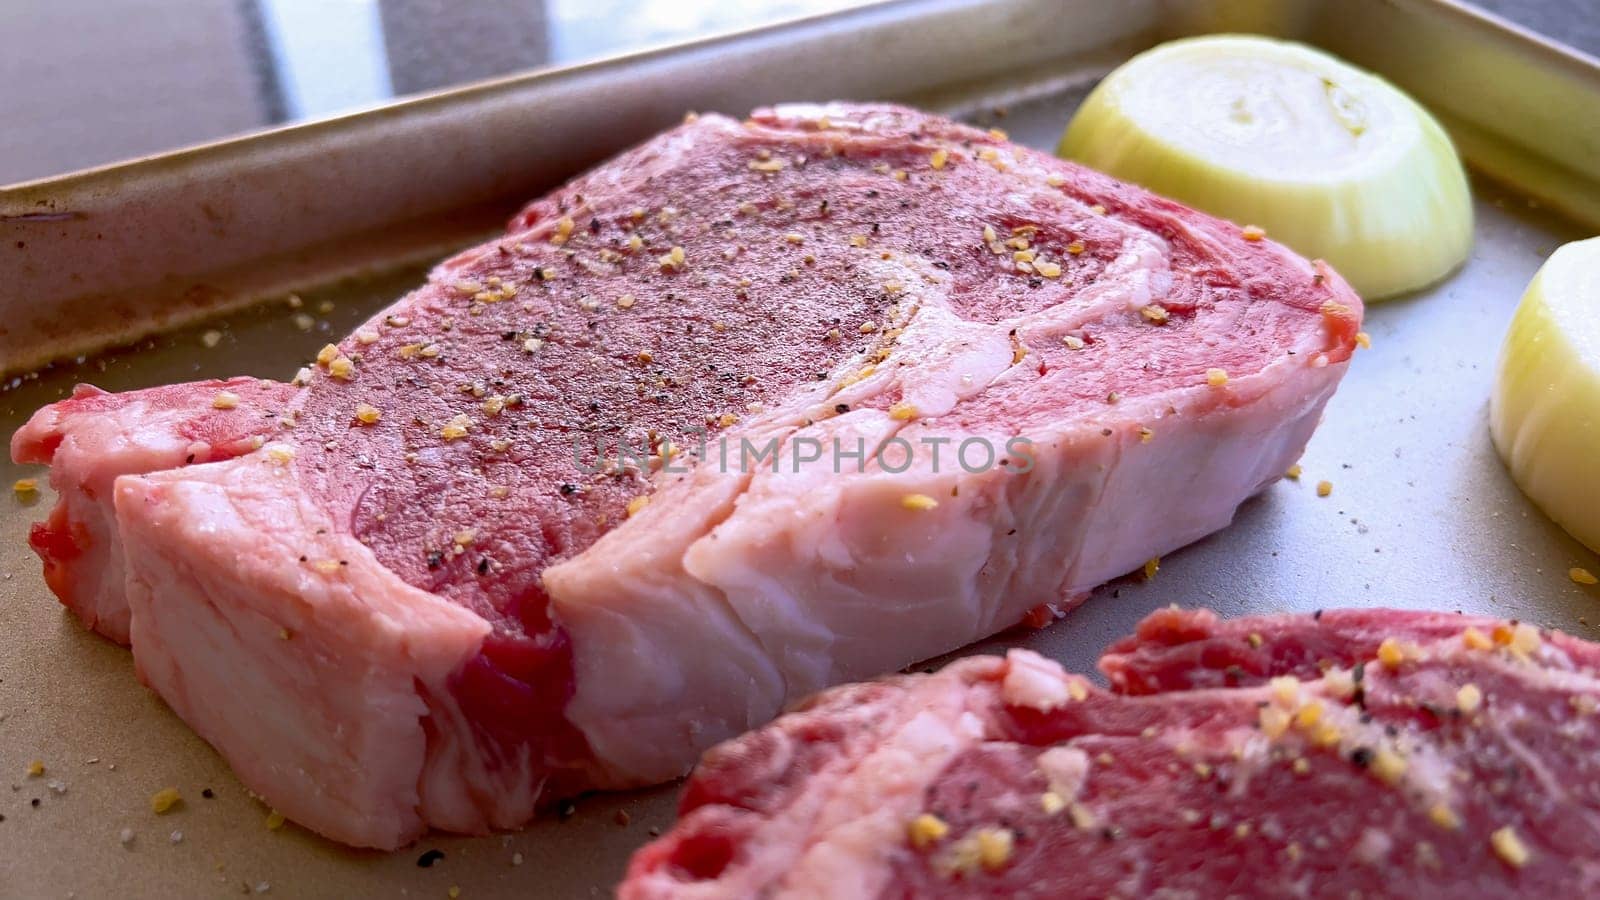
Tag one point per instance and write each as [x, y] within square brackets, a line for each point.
[25, 488]
[1580, 575]
[1324, 488]
[164, 800]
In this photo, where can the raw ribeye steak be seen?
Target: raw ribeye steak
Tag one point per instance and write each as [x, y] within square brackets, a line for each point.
[1359, 753]
[608, 489]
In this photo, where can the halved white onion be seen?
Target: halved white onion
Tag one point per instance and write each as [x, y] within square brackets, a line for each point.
[1544, 413]
[1328, 159]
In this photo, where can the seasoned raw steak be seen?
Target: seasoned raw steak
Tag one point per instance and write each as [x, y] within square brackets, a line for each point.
[607, 490]
[1364, 753]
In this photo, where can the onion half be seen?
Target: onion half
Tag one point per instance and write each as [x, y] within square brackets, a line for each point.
[1328, 159]
[1544, 413]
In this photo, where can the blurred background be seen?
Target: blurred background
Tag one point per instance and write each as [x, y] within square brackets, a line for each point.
[84, 82]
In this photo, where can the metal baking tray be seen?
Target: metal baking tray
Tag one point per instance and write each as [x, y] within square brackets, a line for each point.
[347, 212]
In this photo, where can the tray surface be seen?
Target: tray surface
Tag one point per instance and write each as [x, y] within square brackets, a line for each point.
[1422, 515]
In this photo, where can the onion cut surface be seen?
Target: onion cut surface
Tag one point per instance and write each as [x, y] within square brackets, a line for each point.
[1333, 161]
[1545, 410]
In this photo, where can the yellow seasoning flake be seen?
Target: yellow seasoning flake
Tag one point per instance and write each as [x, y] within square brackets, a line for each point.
[456, 428]
[1326, 735]
[1285, 689]
[1364, 339]
[1390, 653]
[858, 240]
[1473, 639]
[727, 420]
[766, 165]
[1509, 847]
[1073, 342]
[327, 354]
[274, 820]
[918, 502]
[563, 231]
[24, 487]
[626, 301]
[673, 259]
[1308, 716]
[1580, 575]
[995, 846]
[342, 368]
[1151, 567]
[902, 411]
[1146, 435]
[1469, 698]
[493, 405]
[164, 799]
[1388, 765]
[1052, 803]
[939, 158]
[1154, 312]
[367, 414]
[1076, 248]
[1047, 269]
[225, 400]
[638, 503]
[1324, 488]
[1525, 639]
[1216, 377]
[1444, 817]
[925, 830]
[1252, 233]
[36, 768]
[1294, 472]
